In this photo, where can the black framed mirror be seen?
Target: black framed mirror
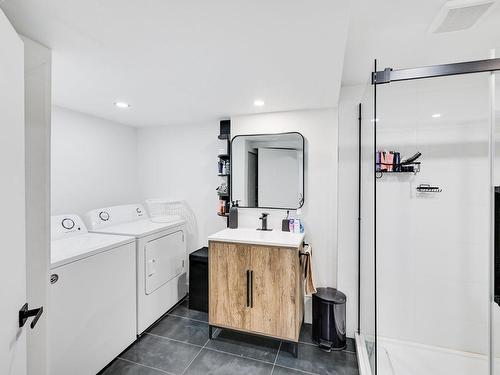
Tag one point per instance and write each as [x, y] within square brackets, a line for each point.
[267, 170]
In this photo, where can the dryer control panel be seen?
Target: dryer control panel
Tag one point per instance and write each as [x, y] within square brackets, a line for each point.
[66, 226]
[107, 216]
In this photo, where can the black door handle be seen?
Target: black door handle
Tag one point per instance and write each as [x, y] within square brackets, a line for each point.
[24, 314]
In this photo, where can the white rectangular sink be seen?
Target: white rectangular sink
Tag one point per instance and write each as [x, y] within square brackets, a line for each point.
[258, 237]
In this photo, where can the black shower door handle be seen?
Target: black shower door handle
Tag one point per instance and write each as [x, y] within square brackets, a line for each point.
[496, 245]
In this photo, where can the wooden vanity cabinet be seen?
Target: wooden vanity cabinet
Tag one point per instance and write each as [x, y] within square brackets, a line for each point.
[256, 289]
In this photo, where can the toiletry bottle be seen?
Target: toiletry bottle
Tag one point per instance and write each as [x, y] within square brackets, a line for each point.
[298, 226]
[285, 223]
[233, 215]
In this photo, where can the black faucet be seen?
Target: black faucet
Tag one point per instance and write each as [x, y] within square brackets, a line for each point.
[264, 221]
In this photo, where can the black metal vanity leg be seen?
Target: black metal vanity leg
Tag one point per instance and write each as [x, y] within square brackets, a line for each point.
[295, 349]
[210, 332]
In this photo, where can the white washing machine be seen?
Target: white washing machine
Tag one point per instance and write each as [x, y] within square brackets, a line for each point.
[161, 257]
[92, 298]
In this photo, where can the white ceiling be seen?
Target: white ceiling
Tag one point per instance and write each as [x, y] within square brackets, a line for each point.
[396, 33]
[185, 61]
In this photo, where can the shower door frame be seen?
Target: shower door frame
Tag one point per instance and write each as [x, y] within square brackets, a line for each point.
[386, 76]
[389, 75]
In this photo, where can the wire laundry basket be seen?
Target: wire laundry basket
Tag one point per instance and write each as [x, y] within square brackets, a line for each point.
[163, 210]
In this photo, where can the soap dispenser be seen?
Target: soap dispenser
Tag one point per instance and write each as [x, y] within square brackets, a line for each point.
[285, 223]
[233, 215]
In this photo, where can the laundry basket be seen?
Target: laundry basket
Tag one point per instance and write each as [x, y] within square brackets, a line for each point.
[163, 210]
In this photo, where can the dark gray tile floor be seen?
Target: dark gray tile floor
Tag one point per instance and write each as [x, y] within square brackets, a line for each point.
[178, 344]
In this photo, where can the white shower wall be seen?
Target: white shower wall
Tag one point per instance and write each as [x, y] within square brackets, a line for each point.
[433, 249]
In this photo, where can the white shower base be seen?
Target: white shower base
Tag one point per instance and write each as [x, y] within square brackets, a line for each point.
[405, 358]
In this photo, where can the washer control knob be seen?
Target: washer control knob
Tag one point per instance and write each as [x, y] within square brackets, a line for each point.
[68, 223]
[104, 216]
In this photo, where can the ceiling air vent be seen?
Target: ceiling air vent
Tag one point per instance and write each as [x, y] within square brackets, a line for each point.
[459, 15]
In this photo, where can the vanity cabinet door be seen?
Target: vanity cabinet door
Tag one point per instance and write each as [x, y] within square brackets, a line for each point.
[229, 266]
[275, 284]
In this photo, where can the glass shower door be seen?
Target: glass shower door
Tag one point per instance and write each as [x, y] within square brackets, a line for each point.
[433, 226]
[495, 255]
[367, 291]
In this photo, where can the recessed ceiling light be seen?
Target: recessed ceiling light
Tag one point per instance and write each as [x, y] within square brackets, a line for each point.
[258, 103]
[436, 115]
[122, 105]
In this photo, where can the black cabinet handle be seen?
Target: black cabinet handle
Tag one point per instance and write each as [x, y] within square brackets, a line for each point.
[24, 314]
[248, 288]
[251, 288]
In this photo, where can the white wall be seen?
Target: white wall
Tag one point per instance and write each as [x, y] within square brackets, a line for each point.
[94, 163]
[180, 163]
[319, 128]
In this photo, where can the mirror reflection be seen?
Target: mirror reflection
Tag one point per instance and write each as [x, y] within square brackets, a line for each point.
[268, 170]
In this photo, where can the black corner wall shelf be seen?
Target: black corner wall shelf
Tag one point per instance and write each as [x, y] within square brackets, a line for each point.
[225, 135]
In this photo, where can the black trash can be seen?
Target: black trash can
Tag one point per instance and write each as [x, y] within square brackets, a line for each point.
[198, 280]
[329, 321]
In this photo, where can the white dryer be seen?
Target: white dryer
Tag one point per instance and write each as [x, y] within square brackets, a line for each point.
[161, 257]
[92, 303]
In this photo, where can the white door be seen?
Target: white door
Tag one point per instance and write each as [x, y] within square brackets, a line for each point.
[12, 219]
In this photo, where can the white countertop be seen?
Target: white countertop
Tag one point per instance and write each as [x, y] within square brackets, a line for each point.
[258, 237]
